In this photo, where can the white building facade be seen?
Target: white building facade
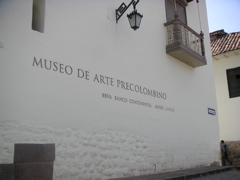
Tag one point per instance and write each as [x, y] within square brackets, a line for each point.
[115, 102]
[226, 65]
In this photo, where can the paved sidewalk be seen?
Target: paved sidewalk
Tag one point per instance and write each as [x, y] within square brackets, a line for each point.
[228, 175]
[187, 174]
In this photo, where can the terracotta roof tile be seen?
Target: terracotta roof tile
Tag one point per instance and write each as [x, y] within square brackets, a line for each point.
[224, 42]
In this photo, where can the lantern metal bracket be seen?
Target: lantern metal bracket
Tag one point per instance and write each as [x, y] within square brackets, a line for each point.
[123, 7]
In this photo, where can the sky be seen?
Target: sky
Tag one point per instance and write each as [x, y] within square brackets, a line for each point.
[223, 14]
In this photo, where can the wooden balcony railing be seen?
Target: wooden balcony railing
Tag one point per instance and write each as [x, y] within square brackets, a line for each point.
[185, 44]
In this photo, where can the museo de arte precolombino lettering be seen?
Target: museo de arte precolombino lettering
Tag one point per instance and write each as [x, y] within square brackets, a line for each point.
[83, 74]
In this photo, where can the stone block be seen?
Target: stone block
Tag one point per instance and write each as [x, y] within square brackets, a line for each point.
[49, 152]
[34, 171]
[6, 171]
[34, 153]
[234, 148]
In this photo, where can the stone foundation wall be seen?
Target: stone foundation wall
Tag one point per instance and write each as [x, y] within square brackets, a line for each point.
[104, 155]
[234, 148]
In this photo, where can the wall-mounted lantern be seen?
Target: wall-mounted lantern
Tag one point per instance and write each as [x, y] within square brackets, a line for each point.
[134, 17]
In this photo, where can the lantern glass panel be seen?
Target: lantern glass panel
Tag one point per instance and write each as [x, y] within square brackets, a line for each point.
[138, 19]
[134, 20]
[131, 19]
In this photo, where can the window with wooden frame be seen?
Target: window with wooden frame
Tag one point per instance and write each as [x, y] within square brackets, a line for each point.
[176, 5]
[233, 77]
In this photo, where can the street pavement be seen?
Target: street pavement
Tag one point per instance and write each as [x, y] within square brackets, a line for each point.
[200, 173]
[228, 175]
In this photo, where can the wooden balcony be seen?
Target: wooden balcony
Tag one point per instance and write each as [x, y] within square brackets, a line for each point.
[185, 44]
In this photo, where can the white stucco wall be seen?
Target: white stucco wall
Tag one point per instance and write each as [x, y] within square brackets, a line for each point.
[98, 137]
[228, 108]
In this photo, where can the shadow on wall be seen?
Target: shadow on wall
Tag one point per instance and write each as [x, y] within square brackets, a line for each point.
[31, 161]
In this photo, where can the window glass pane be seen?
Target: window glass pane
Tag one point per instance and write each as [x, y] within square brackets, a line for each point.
[170, 10]
[233, 77]
[181, 13]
